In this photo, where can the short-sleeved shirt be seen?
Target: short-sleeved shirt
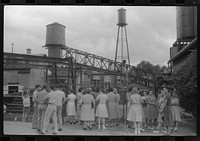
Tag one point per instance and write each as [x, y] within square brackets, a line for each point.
[26, 101]
[60, 97]
[41, 95]
[52, 97]
[72, 97]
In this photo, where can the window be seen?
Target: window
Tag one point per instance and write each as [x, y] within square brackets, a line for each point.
[12, 89]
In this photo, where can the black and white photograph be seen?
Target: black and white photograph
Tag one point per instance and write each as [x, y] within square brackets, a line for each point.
[100, 70]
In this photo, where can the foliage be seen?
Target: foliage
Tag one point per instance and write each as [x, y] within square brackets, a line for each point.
[185, 82]
[150, 67]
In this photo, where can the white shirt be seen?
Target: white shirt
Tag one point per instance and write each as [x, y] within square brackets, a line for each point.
[60, 97]
[26, 101]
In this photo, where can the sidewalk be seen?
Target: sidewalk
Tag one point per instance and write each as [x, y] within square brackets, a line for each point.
[24, 128]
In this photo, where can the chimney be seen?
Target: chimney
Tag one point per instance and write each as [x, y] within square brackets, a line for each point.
[28, 51]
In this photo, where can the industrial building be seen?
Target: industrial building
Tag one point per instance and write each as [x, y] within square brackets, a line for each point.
[186, 26]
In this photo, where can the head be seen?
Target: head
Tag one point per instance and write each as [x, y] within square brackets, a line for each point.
[135, 90]
[80, 90]
[174, 94]
[144, 93]
[103, 91]
[37, 87]
[71, 91]
[130, 89]
[97, 89]
[88, 91]
[115, 90]
[151, 92]
[60, 86]
[44, 86]
[110, 89]
[51, 87]
[25, 93]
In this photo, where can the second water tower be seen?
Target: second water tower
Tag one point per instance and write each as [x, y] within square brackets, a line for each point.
[55, 39]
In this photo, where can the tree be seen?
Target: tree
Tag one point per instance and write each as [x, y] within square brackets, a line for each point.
[185, 82]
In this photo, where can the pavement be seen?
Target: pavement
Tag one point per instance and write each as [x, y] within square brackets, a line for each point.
[25, 128]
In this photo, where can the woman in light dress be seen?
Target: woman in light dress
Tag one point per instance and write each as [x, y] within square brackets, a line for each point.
[129, 105]
[87, 109]
[135, 112]
[79, 97]
[151, 109]
[71, 109]
[101, 111]
[112, 110]
[117, 106]
[175, 110]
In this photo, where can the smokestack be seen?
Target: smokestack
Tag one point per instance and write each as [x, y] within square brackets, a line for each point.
[28, 51]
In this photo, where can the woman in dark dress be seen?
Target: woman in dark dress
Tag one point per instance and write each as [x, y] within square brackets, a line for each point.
[168, 122]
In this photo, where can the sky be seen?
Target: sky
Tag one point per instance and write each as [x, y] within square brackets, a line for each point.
[151, 31]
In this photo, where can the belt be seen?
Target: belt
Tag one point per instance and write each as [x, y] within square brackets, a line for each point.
[51, 103]
[42, 103]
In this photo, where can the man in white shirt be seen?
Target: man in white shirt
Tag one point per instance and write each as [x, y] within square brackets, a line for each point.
[59, 102]
[35, 107]
[51, 111]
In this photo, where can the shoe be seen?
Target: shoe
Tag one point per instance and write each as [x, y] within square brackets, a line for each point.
[164, 131]
[104, 128]
[84, 128]
[54, 133]
[41, 133]
[141, 129]
[175, 129]
[138, 131]
[117, 124]
[90, 128]
[60, 129]
[38, 130]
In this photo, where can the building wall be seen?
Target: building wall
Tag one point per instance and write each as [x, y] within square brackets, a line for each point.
[28, 80]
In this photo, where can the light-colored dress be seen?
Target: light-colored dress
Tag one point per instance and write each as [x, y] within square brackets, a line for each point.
[175, 110]
[87, 112]
[117, 105]
[71, 109]
[151, 109]
[112, 110]
[135, 112]
[101, 110]
[79, 97]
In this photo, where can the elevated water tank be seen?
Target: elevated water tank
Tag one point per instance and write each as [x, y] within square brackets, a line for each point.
[55, 39]
[122, 17]
[186, 22]
[55, 34]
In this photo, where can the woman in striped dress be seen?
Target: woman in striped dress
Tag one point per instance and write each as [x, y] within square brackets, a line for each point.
[87, 109]
[112, 111]
[151, 109]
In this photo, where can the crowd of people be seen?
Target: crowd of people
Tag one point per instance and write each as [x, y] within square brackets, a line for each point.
[99, 107]
[148, 111]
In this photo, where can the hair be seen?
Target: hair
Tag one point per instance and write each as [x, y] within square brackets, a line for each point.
[135, 90]
[80, 89]
[37, 86]
[52, 87]
[25, 93]
[103, 91]
[97, 89]
[88, 90]
[71, 91]
[60, 86]
[130, 89]
[110, 89]
[44, 86]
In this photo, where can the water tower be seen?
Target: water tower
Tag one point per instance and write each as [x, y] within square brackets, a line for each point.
[122, 38]
[55, 39]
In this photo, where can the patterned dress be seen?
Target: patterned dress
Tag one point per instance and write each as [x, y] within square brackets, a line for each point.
[167, 111]
[112, 110]
[87, 112]
[79, 97]
[151, 109]
[175, 110]
[117, 105]
[101, 110]
[71, 109]
[135, 112]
